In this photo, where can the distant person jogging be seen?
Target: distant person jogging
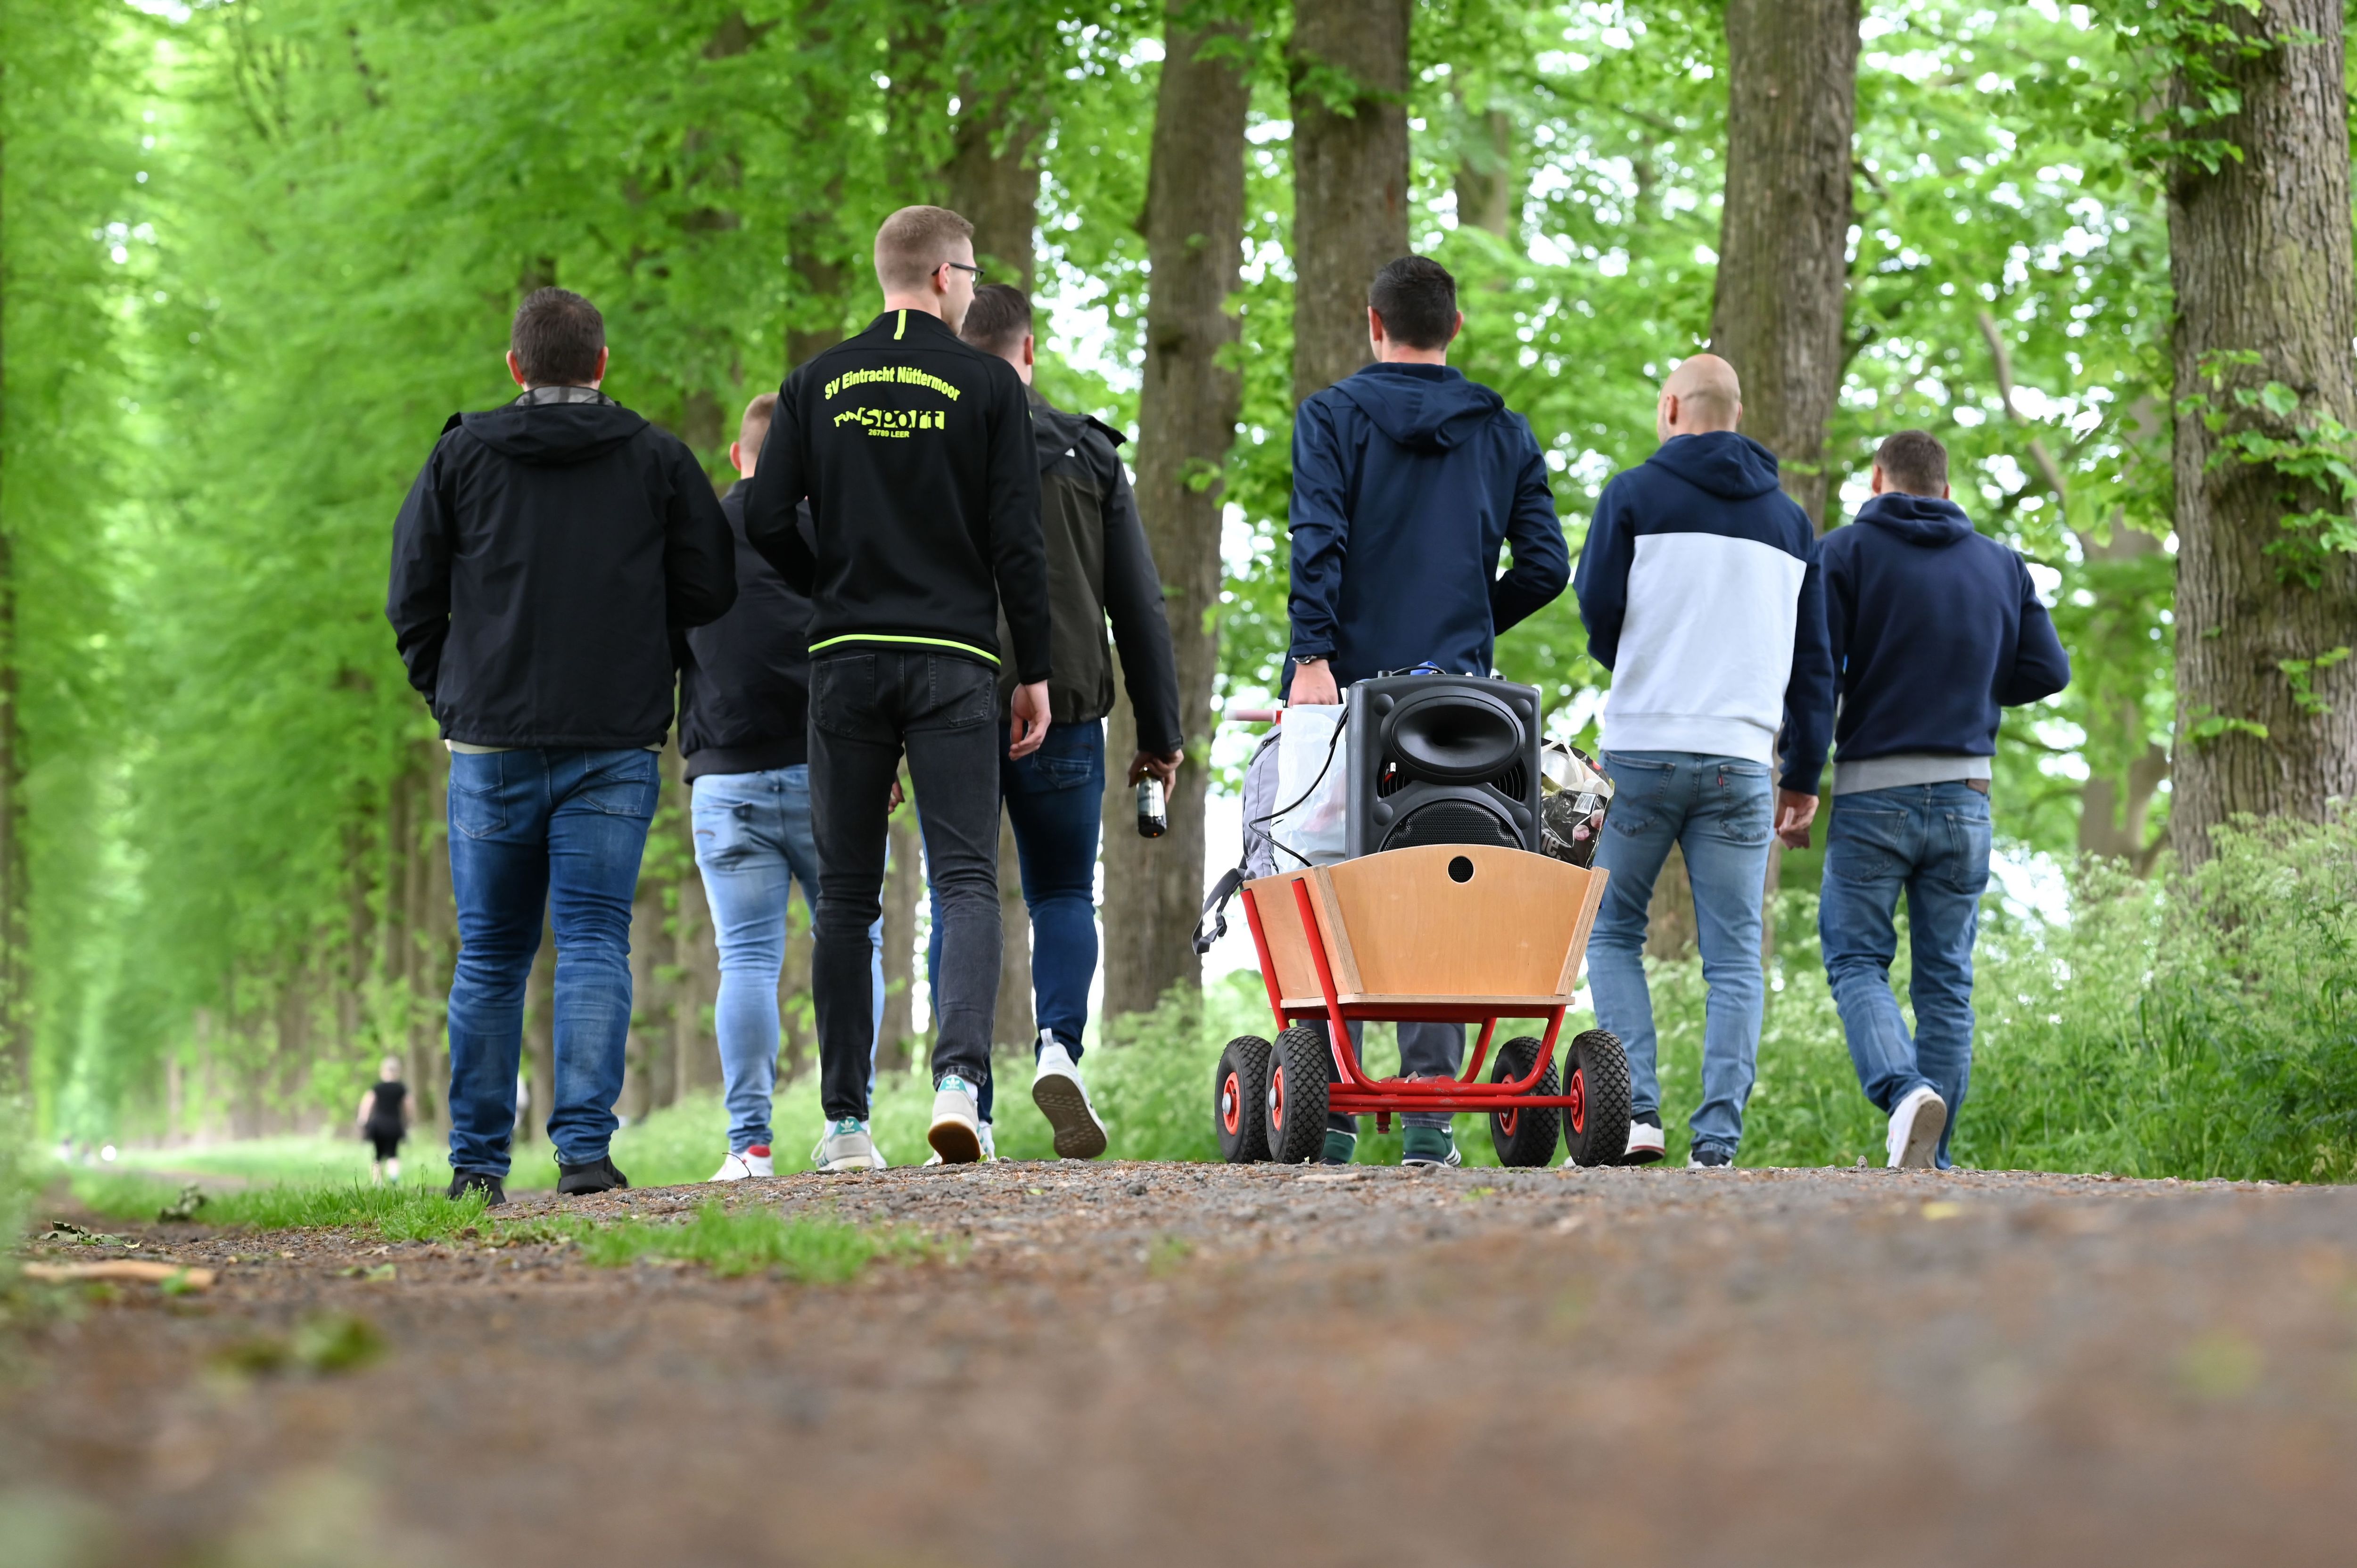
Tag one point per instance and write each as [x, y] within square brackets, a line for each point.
[743, 734]
[540, 565]
[915, 452]
[1936, 631]
[383, 1119]
[1408, 480]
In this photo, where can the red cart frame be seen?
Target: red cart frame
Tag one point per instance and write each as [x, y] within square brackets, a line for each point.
[1353, 1092]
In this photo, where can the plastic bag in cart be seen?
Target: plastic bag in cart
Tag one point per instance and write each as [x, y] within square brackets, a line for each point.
[1313, 787]
[1574, 796]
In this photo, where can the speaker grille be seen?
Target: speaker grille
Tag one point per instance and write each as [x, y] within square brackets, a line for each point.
[1453, 821]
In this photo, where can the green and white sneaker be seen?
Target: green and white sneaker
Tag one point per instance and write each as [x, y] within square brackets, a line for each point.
[1342, 1148]
[1429, 1146]
[847, 1146]
[956, 1131]
[989, 1148]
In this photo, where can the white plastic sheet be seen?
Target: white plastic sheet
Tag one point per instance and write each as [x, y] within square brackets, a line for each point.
[1313, 787]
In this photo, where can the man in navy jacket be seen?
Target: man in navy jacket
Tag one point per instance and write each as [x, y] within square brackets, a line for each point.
[1407, 480]
[1934, 631]
[1699, 586]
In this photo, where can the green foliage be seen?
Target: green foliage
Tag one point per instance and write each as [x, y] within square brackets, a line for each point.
[396, 1212]
[807, 1249]
[2308, 449]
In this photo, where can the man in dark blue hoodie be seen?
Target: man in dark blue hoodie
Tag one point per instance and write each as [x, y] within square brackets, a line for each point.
[1407, 480]
[1935, 630]
[1699, 586]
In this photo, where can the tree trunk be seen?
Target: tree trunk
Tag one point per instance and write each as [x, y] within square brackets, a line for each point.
[904, 889]
[16, 1045]
[1784, 227]
[1186, 420]
[539, 1036]
[1487, 185]
[1348, 61]
[814, 240]
[2259, 253]
[1012, 1028]
[992, 180]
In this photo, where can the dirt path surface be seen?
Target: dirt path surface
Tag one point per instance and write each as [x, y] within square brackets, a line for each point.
[1199, 1365]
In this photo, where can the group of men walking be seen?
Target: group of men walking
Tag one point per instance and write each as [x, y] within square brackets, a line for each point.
[919, 562]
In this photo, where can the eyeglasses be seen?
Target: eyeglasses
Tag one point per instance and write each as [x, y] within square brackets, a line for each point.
[964, 267]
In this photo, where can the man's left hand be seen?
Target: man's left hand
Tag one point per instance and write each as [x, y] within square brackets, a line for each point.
[1794, 812]
[1028, 725]
[1165, 769]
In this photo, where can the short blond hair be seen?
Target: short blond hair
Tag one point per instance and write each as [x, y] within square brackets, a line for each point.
[914, 243]
[754, 428]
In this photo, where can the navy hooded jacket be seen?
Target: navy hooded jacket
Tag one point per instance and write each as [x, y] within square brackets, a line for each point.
[1700, 588]
[1935, 630]
[1406, 480]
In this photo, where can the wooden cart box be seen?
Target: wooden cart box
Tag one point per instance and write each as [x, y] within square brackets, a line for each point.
[1464, 926]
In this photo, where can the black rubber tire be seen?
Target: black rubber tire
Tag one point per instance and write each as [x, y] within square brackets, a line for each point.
[1596, 1131]
[1296, 1097]
[1524, 1135]
[1240, 1100]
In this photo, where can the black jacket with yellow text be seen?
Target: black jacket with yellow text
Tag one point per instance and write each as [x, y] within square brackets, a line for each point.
[542, 561]
[915, 452]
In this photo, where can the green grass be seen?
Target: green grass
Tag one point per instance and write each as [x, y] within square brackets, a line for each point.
[813, 1250]
[408, 1211]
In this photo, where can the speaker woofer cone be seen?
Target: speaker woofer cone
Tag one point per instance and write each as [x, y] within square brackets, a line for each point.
[1454, 738]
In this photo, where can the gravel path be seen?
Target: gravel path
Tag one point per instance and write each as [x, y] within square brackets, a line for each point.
[1199, 1365]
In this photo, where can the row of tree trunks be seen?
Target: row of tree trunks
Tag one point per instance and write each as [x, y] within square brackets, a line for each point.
[2260, 256]
[1188, 410]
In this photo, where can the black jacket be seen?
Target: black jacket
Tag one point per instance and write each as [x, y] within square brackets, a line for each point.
[743, 684]
[543, 556]
[1099, 564]
[915, 452]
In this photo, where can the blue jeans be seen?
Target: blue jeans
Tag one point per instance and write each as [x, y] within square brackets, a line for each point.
[753, 843]
[534, 832]
[1055, 802]
[1716, 811]
[1932, 841]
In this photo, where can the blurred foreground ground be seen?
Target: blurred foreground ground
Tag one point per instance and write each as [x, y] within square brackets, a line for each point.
[1197, 1364]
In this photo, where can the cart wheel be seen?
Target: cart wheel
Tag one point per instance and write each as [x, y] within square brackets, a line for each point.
[1595, 1123]
[1240, 1100]
[1524, 1134]
[1296, 1097]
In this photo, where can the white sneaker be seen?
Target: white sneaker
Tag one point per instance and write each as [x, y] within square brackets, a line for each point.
[753, 1162]
[956, 1131]
[989, 1148]
[847, 1146]
[1057, 1091]
[1644, 1145]
[1915, 1128]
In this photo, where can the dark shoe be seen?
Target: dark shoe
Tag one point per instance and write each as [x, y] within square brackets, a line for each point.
[1708, 1158]
[578, 1181]
[465, 1181]
[1342, 1148]
[1429, 1146]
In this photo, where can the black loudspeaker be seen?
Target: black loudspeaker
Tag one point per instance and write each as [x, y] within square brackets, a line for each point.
[1442, 759]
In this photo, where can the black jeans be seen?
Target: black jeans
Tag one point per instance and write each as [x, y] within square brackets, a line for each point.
[868, 707]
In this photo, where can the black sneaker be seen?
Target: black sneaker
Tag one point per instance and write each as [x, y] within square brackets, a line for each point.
[465, 1181]
[576, 1181]
[1708, 1158]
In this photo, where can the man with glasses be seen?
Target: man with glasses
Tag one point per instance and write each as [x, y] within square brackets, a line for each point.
[915, 452]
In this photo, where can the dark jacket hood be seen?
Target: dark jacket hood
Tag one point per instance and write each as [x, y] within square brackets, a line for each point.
[1918, 520]
[554, 434]
[1059, 432]
[1730, 466]
[1429, 407]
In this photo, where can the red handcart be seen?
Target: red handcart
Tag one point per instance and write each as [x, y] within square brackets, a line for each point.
[1439, 933]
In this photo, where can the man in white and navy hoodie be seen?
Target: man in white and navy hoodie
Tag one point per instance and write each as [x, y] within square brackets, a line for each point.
[1699, 586]
[1936, 631]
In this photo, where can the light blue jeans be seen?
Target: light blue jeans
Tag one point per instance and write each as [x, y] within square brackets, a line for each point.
[1717, 810]
[753, 843]
[1931, 842]
[536, 831]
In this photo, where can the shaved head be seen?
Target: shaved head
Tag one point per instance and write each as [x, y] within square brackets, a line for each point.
[1701, 394]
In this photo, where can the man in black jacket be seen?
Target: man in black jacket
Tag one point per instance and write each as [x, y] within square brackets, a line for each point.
[744, 729]
[544, 557]
[915, 453]
[1098, 565]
